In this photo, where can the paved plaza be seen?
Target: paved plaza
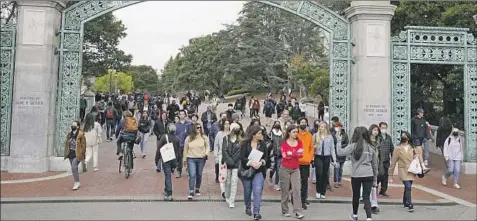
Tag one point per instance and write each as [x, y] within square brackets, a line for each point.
[30, 196]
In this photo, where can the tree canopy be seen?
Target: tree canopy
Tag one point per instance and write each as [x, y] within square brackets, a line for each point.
[113, 79]
[253, 53]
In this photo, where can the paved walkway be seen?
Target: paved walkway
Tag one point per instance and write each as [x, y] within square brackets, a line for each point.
[215, 211]
[146, 182]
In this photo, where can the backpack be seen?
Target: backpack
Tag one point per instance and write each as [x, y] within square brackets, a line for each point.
[268, 105]
[130, 125]
[110, 113]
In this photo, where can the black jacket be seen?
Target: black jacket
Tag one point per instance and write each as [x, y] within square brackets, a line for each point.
[144, 126]
[175, 142]
[344, 143]
[213, 119]
[419, 128]
[231, 153]
[160, 128]
[245, 150]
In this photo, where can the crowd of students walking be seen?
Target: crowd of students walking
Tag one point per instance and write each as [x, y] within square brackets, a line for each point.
[288, 153]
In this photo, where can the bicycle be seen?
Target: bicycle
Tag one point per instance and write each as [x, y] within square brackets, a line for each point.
[127, 160]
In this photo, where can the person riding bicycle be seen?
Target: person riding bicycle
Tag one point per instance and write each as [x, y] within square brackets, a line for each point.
[127, 131]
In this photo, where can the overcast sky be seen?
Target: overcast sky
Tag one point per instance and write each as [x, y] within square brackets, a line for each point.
[157, 29]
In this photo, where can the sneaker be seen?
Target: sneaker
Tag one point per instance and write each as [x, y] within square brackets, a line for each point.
[444, 180]
[143, 156]
[190, 196]
[120, 156]
[168, 198]
[368, 219]
[231, 205]
[178, 174]
[223, 195]
[303, 206]
[158, 170]
[456, 186]
[426, 163]
[277, 188]
[318, 196]
[197, 192]
[286, 214]
[354, 217]
[337, 185]
[307, 202]
[329, 188]
[322, 197]
[313, 181]
[76, 186]
[257, 216]
[384, 194]
[299, 216]
[95, 169]
[410, 208]
[375, 210]
[248, 212]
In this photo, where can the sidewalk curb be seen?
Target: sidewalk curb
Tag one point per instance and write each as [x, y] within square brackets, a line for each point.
[331, 200]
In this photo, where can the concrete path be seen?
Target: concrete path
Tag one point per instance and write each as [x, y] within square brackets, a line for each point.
[215, 211]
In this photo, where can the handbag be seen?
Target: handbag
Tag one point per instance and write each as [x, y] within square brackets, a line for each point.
[245, 174]
[416, 166]
[167, 151]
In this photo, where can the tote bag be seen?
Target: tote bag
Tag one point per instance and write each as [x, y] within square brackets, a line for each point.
[415, 167]
[167, 151]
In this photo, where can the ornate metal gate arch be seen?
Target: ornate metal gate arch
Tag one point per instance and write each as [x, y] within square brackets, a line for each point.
[7, 65]
[71, 31]
[434, 45]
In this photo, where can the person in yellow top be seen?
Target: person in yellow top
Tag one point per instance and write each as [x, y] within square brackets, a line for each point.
[196, 150]
[308, 153]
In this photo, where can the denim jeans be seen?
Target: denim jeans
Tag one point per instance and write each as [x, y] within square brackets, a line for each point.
[143, 143]
[74, 169]
[167, 168]
[110, 128]
[406, 197]
[453, 168]
[338, 173]
[195, 168]
[211, 142]
[255, 186]
[278, 164]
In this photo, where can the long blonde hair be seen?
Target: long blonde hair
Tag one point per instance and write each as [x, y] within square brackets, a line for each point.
[323, 132]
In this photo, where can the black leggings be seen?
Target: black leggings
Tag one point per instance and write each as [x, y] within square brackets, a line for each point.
[367, 183]
[322, 172]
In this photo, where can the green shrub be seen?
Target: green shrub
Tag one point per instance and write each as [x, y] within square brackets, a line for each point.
[237, 91]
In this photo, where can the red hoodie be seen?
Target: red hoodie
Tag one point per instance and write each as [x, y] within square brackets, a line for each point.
[290, 161]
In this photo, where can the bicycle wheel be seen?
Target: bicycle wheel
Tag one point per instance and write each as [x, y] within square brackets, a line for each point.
[127, 167]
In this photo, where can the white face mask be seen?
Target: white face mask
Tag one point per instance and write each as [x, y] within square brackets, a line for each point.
[337, 129]
[383, 131]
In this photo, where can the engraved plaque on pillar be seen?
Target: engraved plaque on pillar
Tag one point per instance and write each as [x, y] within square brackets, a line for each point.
[375, 40]
[34, 27]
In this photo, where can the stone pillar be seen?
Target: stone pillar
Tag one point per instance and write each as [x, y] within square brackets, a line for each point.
[35, 85]
[371, 73]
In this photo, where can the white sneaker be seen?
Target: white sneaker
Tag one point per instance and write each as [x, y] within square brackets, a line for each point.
[426, 163]
[323, 197]
[76, 186]
[444, 180]
[232, 205]
[456, 186]
[318, 196]
[369, 219]
[95, 169]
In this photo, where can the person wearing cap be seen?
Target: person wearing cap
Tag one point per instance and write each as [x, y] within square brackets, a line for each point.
[420, 134]
[453, 154]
